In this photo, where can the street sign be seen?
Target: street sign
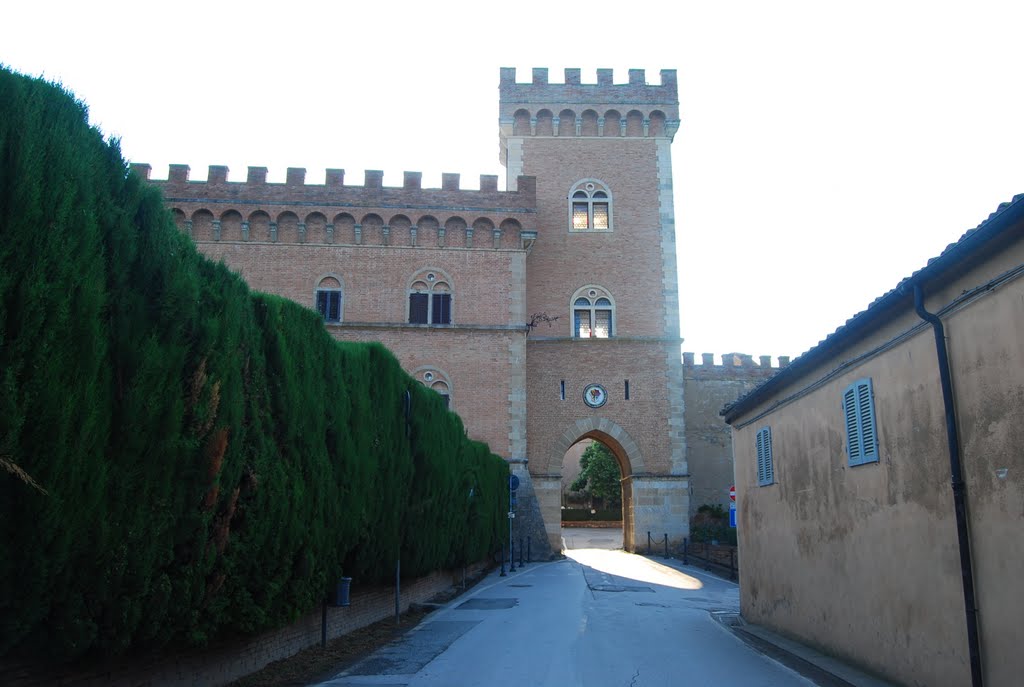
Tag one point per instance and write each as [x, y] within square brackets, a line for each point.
[732, 492]
[732, 515]
[513, 482]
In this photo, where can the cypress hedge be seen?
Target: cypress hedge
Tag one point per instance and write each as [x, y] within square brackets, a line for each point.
[183, 459]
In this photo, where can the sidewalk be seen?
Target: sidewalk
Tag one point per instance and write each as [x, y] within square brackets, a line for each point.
[823, 670]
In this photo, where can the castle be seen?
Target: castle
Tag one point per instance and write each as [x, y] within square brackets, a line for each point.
[546, 314]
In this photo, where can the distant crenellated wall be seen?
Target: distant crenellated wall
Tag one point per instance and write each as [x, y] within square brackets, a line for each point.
[335, 213]
[708, 387]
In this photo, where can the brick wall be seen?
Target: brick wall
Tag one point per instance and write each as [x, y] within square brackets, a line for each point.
[709, 387]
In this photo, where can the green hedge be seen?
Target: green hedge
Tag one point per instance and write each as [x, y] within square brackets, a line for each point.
[184, 459]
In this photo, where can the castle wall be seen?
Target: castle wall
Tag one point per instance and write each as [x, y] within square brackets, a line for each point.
[479, 355]
[709, 388]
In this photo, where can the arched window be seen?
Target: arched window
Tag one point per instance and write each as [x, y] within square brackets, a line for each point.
[590, 206]
[436, 380]
[430, 298]
[328, 298]
[593, 313]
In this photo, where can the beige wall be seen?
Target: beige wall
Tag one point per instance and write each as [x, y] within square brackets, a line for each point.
[863, 561]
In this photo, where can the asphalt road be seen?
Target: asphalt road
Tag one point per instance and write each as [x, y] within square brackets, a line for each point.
[602, 617]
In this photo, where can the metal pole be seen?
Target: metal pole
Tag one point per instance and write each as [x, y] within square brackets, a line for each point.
[529, 558]
[666, 545]
[511, 550]
[398, 590]
[648, 543]
[323, 626]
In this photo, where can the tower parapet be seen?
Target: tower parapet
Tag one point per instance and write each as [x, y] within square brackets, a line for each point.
[572, 108]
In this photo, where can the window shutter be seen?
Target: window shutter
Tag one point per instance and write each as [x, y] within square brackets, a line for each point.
[765, 469]
[760, 456]
[866, 413]
[334, 306]
[321, 303]
[861, 431]
[442, 313]
[418, 308]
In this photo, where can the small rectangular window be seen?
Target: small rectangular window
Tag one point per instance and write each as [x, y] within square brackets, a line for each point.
[418, 303]
[600, 215]
[861, 432]
[442, 309]
[562, 393]
[765, 468]
[627, 389]
[328, 304]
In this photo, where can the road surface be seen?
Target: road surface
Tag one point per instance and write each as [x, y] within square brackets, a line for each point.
[600, 618]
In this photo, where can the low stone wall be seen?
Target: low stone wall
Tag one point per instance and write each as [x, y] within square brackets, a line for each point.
[228, 662]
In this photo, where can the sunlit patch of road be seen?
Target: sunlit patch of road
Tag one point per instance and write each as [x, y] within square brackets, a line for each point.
[633, 567]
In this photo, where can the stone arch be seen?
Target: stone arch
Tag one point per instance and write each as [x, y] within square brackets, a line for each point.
[626, 452]
[372, 230]
[612, 119]
[589, 124]
[231, 226]
[566, 123]
[259, 226]
[545, 123]
[455, 231]
[344, 228]
[609, 433]
[521, 123]
[399, 233]
[202, 225]
[316, 228]
[634, 123]
[179, 218]
[288, 227]
[657, 127]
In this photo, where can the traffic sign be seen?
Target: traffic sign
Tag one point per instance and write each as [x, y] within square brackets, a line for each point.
[513, 482]
[732, 515]
[732, 492]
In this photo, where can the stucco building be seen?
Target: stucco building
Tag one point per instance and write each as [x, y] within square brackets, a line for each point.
[546, 313]
[851, 537]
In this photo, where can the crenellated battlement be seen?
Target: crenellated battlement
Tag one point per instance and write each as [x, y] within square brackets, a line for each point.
[217, 175]
[634, 109]
[334, 212]
[734, 365]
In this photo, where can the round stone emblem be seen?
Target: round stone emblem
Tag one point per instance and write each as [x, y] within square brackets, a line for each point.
[595, 395]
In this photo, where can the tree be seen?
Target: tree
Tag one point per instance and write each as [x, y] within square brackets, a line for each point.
[599, 475]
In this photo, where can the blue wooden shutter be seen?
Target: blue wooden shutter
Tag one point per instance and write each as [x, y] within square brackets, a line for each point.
[861, 430]
[765, 470]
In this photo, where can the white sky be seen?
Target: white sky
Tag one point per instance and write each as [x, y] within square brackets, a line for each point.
[826, 151]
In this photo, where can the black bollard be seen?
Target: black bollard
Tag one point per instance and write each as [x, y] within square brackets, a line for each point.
[529, 559]
[511, 556]
[520, 552]
[502, 561]
[666, 545]
[686, 557]
[648, 543]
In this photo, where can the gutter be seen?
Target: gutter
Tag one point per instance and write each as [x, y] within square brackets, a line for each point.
[958, 485]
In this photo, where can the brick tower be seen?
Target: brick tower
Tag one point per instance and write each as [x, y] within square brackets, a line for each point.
[604, 264]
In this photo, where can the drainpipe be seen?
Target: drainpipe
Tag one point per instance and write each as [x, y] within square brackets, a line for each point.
[959, 488]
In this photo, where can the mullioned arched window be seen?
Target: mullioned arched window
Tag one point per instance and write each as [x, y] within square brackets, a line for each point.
[593, 313]
[590, 206]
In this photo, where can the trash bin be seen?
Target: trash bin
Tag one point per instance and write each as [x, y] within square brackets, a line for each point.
[340, 593]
